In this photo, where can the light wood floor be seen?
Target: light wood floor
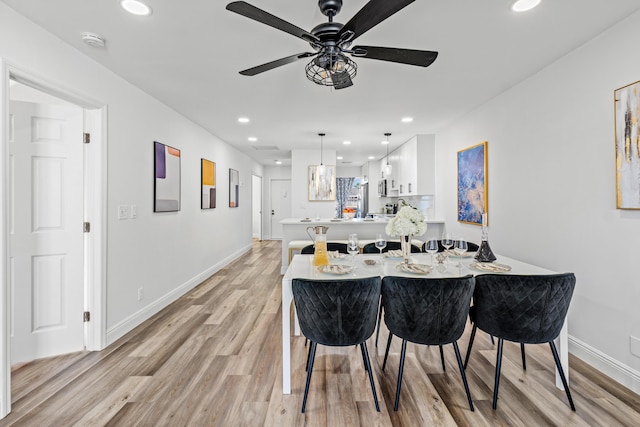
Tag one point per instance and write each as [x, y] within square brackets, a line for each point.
[213, 358]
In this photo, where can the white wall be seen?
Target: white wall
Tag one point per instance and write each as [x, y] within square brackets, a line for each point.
[301, 206]
[166, 253]
[551, 178]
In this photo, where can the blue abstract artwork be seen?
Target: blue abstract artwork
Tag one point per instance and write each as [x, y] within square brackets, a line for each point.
[472, 183]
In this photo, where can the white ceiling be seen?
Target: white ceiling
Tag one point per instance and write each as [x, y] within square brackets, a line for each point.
[188, 53]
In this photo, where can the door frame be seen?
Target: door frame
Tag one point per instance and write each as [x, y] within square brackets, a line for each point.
[95, 205]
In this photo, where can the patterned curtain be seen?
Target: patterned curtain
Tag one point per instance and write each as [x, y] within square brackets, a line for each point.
[343, 187]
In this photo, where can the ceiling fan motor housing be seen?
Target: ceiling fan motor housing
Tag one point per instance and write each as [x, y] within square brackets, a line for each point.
[330, 8]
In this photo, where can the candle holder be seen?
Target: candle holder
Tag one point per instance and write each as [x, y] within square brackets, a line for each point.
[485, 254]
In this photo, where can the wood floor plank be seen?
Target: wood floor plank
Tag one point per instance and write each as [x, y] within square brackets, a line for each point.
[213, 358]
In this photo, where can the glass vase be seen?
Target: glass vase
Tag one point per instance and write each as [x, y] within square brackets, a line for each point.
[405, 246]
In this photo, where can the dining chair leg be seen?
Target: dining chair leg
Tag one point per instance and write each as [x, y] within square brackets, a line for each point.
[367, 364]
[492, 340]
[498, 366]
[386, 353]
[364, 358]
[463, 374]
[444, 368]
[306, 367]
[524, 357]
[309, 372]
[473, 335]
[561, 371]
[379, 323]
[400, 370]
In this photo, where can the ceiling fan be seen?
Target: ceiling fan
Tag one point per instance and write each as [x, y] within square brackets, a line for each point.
[331, 41]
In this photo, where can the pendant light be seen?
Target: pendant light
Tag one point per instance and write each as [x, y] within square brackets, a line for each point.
[322, 169]
[388, 168]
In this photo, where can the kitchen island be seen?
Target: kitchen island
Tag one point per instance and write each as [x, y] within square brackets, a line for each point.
[295, 230]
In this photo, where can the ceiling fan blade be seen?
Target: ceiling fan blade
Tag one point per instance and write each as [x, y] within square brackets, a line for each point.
[422, 58]
[274, 64]
[371, 14]
[341, 80]
[252, 12]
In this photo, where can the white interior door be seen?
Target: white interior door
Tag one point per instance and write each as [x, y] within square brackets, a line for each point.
[46, 249]
[280, 205]
[256, 198]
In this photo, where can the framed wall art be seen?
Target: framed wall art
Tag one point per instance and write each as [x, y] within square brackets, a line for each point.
[627, 136]
[207, 184]
[322, 186]
[234, 188]
[166, 188]
[472, 184]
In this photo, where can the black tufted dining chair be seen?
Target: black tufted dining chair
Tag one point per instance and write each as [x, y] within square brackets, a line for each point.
[331, 246]
[337, 313]
[523, 309]
[370, 248]
[426, 311]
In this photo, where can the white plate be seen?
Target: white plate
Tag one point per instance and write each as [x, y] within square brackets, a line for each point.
[493, 267]
[414, 268]
[335, 269]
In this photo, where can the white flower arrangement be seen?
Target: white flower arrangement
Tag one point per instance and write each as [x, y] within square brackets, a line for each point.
[408, 221]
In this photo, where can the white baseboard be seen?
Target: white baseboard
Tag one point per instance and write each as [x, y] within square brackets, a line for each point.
[623, 374]
[140, 316]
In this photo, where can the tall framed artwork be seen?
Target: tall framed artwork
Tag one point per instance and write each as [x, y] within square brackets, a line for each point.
[166, 188]
[627, 136]
[322, 186]
[207, 184]
[234, 188]
[472, 184]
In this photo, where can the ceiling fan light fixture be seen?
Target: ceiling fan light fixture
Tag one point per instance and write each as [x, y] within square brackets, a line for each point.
[331, 70]
[524, 5]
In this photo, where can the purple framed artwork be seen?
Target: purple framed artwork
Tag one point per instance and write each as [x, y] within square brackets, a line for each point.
[166, 188]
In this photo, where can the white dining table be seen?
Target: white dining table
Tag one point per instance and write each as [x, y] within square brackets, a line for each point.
[301, 268]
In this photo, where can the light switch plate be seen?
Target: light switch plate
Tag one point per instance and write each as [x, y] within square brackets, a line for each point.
[634, 345]
[134, 211]
[123, 211]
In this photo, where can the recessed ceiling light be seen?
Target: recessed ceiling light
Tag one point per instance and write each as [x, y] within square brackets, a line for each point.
[524, 5]
[371, 157]
[407, 119]
[278, 162]
[252, 139]
[135, 7]
[339, 157]
[346, 142]
[243, 119]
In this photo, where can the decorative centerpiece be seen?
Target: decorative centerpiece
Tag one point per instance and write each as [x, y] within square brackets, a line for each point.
[485, 254]
[407, 223]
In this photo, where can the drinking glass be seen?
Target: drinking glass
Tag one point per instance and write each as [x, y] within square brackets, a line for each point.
[352, 247]
[459, 248]
[381, 243]
[447, 240]
[431, 247]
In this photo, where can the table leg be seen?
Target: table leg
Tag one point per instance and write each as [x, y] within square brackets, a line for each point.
[287, 297]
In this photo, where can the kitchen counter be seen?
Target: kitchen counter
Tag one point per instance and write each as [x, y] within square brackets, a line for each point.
[339, 230]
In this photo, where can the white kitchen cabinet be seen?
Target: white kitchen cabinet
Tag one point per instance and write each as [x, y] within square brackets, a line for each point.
[417, 166]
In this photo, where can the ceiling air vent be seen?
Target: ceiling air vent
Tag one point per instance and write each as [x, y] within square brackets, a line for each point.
[265, 147]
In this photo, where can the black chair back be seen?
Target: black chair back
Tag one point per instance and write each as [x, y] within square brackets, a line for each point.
[427, 311]
[370, 248]
[331, 246]
[526, 309]
[337, 312]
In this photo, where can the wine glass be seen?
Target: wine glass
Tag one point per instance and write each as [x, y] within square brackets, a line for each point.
[431, 247]
[352, 247]
[381, 243]
[459, 248]
[447, 240]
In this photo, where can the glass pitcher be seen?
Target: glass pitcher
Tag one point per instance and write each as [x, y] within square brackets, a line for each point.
[320, 255]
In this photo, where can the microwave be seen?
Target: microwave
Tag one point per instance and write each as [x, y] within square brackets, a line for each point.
[382, 188]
